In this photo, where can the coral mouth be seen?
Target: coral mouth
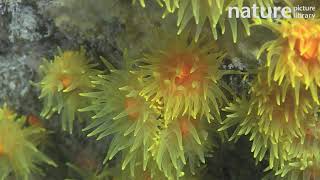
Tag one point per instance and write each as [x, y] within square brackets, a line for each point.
[1, 150]
[307, 49]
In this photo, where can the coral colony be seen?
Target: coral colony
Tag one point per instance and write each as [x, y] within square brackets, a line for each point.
[164, 108]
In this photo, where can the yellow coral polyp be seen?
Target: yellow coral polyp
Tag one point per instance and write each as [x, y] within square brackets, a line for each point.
[67, 71]
[302, 160]
[120, 111]
[183, 143]
[183, 77]
[62, 80]
[294, 57]
[19, 155]
[276, 109]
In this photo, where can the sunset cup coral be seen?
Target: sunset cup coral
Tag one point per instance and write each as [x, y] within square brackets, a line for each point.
[140, 135]
[122, 113]
[247, 124]
[273, 120]
[294, 57]
[183, 143]
[303, 161]
[278, 114]
[63, 79]
[19, 155]
[183, 77]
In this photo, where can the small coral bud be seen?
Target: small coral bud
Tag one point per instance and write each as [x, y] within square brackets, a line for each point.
[62, 81]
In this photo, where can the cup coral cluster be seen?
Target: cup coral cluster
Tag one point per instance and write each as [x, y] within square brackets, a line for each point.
[155, 111]
[294, 58]
[281, 113]
[157, 107]
[19, 153]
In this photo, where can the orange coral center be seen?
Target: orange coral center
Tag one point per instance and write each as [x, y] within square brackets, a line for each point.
[34, 121]
[1, 150]
[146, 176]
[184, 74]
[186, 69]
[309, 135]
[184, 128]
[304, 35]
[131, 105]
[312, 133]
[66, 81]
[308, 48]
